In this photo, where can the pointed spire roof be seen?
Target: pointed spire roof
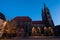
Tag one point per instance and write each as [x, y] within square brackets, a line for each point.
[44, 5]
[45, 8]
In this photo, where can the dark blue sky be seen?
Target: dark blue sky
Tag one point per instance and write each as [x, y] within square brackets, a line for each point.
[31, 8]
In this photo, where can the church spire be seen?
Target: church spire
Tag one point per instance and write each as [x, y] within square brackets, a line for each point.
[44, 5]
[47, 17]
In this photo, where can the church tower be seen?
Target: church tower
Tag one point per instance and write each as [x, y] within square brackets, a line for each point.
[46, 17]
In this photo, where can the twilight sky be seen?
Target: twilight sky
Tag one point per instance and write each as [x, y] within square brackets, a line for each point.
[31, 8]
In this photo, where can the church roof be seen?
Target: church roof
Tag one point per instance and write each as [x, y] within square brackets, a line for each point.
[37, 22]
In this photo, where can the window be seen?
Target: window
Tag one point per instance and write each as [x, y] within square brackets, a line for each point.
[18, 24]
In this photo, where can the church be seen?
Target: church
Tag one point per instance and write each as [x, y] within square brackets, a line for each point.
[26, 27]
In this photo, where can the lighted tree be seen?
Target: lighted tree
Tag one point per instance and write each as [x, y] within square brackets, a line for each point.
[10, 29]
[38, 31]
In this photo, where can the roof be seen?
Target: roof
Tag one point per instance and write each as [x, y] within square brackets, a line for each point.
[22, 18]
[37, 22]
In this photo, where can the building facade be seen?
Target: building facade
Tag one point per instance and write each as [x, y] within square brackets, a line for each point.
[23, 25]
[26, 27]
